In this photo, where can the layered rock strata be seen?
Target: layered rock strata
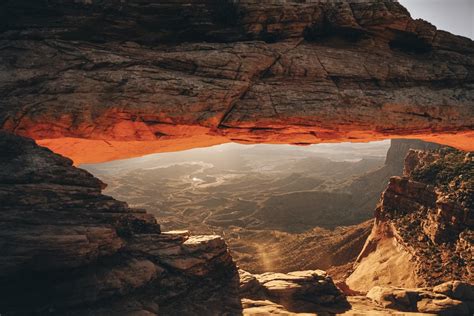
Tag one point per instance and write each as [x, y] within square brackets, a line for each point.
[369, 187]
[133, 78]
[423, 233]
[67, 247]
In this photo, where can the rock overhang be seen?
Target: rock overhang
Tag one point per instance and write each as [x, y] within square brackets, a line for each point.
[273, 71]
[103, 98]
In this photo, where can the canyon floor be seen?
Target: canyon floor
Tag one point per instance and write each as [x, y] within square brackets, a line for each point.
[286, 212]
[229, 232]
[272, 204]
[275, 205]
[69, 249]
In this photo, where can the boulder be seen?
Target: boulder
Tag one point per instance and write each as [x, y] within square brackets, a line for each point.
[423, 300]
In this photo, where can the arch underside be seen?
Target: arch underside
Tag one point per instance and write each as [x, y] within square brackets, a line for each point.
[144, 81]
[97, 81]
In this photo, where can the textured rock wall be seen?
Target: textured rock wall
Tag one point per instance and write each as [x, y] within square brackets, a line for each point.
[399, 149]
[368, 187]
[136, 74]
[425, 217]
[67, 247]
[115, 76]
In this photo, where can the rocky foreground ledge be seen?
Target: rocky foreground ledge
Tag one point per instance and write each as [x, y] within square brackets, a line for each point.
[66, 248]
[314, 292]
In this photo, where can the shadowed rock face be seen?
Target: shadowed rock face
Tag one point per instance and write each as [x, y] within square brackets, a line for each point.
[67, 247]
[141, 75]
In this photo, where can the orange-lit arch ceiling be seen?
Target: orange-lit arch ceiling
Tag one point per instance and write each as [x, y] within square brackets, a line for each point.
[94, 151]
[351, 72]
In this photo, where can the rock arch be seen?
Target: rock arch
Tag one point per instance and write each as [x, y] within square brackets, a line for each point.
[138, 87]
[103, 80]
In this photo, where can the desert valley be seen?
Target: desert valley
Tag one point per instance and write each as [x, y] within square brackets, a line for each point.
[274, 205]
[235, 157]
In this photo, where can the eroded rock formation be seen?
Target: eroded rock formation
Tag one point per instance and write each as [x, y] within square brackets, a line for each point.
[102, 80]
[368, 188]
[450, 298]
[313, 292]
[67, 247]
[133, 78]
[422, 235]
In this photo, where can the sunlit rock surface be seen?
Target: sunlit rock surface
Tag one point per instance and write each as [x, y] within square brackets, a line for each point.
[313, 293]
[427, 300]
[422, 235]
[139, 77]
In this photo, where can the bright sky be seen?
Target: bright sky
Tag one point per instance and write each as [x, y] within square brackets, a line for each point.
[454, 16]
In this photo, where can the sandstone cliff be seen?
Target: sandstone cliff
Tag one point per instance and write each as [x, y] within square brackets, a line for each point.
[67, 247]
[135, 76]
[422, 234]
[101, 80]
[368, 188]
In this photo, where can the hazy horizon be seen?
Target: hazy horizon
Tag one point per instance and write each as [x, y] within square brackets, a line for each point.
[251, 186]
[345, 151]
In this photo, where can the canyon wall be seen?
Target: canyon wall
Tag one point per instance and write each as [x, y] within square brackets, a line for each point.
[68, 248]
[125, 79]
[423, 227]
[368, 187]
[103, 80]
